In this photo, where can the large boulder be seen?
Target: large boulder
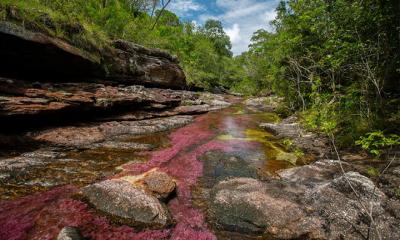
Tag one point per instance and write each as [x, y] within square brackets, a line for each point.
[30, 54]
[126, 203]
[141, 65]
[248, 205]
[311, 202]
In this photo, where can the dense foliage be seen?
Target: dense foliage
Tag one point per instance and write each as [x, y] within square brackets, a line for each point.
[336, 60]
[204, 51]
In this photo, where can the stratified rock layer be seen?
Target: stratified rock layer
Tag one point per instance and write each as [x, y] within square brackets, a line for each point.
[308, 141]
[35, 55]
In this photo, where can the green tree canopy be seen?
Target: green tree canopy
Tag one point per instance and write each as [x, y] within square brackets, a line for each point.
[215, 32]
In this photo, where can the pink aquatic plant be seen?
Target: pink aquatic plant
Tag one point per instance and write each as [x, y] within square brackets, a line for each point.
[43, 215]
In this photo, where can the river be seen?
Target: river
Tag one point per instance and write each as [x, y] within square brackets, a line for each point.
[215, 146]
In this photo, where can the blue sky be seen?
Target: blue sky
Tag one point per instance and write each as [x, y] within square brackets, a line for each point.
[240, 17]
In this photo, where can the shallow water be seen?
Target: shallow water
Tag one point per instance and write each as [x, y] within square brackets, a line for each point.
[78, 167]
[217, 145]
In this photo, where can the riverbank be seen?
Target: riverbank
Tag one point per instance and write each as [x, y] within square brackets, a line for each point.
[221, 176]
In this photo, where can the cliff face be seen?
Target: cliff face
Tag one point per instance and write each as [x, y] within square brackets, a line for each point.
[35, 56]
[47, 82]
[43, 77]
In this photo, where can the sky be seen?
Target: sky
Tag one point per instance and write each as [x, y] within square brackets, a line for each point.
[240, 18]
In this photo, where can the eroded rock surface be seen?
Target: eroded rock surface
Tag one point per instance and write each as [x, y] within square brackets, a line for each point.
[27, 98]
[31, 159]
[313, 202]
[263, 103]
[158, 183]
[133, 200]
[39, 54]
[85, 136]
[291, 129]
[69, 233]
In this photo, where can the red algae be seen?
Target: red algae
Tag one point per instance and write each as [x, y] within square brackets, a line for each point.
[17, 217]
[181, 162]
[43, 215]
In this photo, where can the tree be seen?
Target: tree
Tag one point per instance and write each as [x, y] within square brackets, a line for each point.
[168, 18]
[163, 6]
[215, 32]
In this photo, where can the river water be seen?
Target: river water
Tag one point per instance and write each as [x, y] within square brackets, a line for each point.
[216, 146]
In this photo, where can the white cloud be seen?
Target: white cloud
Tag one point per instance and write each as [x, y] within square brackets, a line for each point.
[243, 11]
[248, 16]
[270, 15]
[229, 4]
[234, 33]
[195, 23]
[184, 7]
[241, 18]
[204, 17]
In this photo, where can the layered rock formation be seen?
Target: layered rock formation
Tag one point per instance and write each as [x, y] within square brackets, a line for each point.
[43, 77]
[48, 81]
[34, 55]
[57, 97]
[290, 128]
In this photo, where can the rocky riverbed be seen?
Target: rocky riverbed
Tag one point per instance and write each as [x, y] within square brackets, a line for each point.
[130, 154]
[219, 176]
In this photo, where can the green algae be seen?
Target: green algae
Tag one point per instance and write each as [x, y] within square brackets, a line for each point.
[269, 117]
[273, 151]
[239, 112]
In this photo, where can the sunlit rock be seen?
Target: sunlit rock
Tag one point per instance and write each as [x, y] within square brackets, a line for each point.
[127, 204]
[160, 184]
[69, 233]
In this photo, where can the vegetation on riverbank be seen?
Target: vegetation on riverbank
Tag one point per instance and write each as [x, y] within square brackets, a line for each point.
[334, 61]
[204, 51]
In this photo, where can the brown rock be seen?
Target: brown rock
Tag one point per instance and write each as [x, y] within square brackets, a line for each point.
[69, 233]
[30, 54]
[311, 202]
[71, 136]
[22, 98]
[158, 183]
[127, 204]
[98, 132]
[39, 55]
[308, 141]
